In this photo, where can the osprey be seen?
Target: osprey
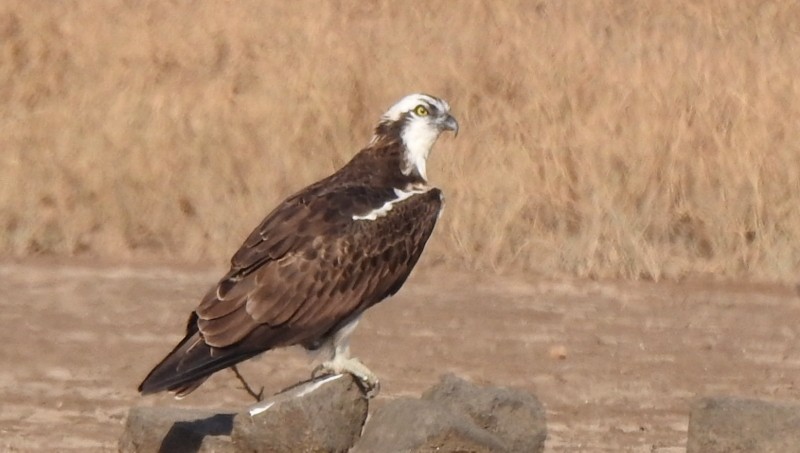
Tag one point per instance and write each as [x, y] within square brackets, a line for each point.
[322, 257]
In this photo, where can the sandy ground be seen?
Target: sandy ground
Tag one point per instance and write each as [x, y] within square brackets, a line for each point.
[616, 364]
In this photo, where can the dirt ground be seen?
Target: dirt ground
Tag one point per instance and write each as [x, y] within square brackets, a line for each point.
[616, 364]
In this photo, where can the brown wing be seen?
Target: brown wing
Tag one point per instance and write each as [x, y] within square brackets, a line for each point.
[304, 271]
[315, 266]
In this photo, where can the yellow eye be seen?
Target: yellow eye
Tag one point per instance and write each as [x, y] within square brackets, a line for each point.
[421, 110]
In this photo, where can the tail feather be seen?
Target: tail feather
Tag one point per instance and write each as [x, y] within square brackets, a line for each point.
[189, 365]
[182, 392]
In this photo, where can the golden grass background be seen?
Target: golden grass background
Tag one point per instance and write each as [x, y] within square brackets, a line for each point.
[599, 138]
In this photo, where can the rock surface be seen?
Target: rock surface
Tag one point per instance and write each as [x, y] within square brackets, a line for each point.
[515, 416]
[408, 424]
[739, 425]
[323, 415]
[326, 419]
[456, 415]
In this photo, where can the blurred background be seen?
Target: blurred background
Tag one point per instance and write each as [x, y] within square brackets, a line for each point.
[604, 139]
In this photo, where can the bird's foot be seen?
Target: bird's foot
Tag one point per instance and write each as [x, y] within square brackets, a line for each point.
[366, 379]
[246, 387]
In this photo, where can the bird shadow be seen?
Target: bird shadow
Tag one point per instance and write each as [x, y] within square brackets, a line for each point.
[187, 436]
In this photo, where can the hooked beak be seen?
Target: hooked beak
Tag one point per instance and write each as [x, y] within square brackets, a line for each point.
[449, 123]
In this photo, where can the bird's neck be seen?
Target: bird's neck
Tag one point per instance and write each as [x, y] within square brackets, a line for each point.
[386, 163]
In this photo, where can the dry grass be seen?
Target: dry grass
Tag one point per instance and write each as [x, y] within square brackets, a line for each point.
[634, 139]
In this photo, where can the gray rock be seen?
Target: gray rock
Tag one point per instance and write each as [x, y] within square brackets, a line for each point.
[514, 416]
[326, 419]
[456, 415]
[322, 415]
[413, 425]
[169, 429]
[738, 425]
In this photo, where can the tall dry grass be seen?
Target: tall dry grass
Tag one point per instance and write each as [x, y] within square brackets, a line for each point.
[603, 138]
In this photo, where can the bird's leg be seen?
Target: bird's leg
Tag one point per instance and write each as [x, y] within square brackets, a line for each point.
[343, 363]
[258, 396]
[340, 361]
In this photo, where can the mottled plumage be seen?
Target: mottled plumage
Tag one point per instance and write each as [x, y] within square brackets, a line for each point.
[320, 258]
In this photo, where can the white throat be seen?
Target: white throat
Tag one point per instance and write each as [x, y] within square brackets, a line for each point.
[418, 138]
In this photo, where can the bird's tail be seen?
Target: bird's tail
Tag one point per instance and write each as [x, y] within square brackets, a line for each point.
[188, 366]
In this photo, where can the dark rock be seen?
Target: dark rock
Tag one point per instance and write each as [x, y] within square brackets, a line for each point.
[456, 415]
[514, 416]
[327, 419]
[738, 425]
[412, 425]
[169, 429]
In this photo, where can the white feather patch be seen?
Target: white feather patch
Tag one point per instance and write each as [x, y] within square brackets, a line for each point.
[383, 210]
[419, 136]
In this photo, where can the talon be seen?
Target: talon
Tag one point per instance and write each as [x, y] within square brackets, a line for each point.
[370, 388]
[366, 379]
[321, 370]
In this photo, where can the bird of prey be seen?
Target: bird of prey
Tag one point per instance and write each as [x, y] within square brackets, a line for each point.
[321, 258]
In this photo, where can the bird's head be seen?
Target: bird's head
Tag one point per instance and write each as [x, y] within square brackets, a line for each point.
[416, 121]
